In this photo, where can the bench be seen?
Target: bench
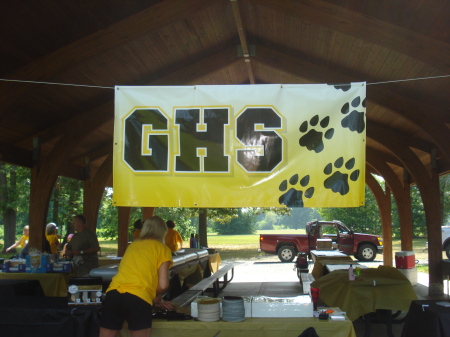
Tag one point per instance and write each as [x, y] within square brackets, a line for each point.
[214, 280]
[305, 280]
[186, 298]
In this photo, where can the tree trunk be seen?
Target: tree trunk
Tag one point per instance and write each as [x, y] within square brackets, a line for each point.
[56, 193]
[8, 213]
[202, 224]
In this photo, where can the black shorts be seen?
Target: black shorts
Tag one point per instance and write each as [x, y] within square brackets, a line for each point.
[119, 307]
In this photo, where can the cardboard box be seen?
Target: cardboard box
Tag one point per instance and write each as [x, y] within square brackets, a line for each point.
[299, 306]
[405, 260]
[264, 306]
[59, 267]
[37, 263]
[247, 305]
[324, 244]
[85, 290]
[14, 266]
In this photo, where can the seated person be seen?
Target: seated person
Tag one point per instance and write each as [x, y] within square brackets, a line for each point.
[22, 241]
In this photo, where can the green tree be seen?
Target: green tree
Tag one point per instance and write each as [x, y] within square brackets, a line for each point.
[269, 220]
[14, 200]
[243, 223]
[65, 202]
[444, 182]
[364, 219]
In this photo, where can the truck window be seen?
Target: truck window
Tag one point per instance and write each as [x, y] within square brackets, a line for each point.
[342, 229]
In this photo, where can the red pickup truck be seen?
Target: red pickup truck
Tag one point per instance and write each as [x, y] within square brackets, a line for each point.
[363, 246]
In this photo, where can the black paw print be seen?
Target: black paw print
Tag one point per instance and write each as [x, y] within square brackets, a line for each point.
[313, 140]
[355, 120]
[344, 87]
[338, 182]
[293, 197]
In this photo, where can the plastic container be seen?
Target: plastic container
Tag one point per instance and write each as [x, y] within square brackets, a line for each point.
[405, 260]
[351, 274]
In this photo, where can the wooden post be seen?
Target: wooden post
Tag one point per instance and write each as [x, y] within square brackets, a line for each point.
[124, 220]
[93, 192]
[147, 212]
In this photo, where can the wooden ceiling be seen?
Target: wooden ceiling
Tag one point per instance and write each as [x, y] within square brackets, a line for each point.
[185, 42]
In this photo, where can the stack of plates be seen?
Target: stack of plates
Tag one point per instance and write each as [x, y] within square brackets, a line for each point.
[209, 310]
[233, 309]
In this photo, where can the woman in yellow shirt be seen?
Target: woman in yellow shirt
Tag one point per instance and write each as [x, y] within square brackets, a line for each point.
[173, 238]
[142, 279]
[22, 241]
[52, 237]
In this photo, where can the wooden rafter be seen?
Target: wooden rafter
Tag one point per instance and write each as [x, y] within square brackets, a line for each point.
[340, 19]
[243, 39]
[151, 19]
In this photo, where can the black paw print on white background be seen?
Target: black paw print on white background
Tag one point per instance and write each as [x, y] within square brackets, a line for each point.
[354, 120]
[294, 197]
[313, 140]
[338, 181]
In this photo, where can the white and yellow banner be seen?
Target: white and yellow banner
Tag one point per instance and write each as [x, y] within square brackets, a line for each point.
[240, 146]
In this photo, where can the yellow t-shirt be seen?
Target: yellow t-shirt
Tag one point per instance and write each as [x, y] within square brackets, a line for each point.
[53, 241]
[23, 240]
[136, 234]
[172, 239]
[138, 270]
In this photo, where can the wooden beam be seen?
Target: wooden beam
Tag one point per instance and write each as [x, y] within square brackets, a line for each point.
[16, 155]
[93, 192]
[155, 17]
[406, 107]
[102, 106]
[243, 39]
[405, 139]
[196, 70]
[384, 207]
[428, 183]
[326, 14]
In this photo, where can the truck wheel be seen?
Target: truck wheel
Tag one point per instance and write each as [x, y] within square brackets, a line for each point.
[286, 253]
[366, 252]
[447, 250]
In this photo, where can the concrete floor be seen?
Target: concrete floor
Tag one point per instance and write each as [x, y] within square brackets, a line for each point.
[270, 277]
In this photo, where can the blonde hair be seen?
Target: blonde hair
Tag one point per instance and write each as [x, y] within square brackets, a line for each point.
[154, 228]
[51, 228]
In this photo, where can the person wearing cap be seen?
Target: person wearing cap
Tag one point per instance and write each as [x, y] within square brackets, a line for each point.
[83, 247]
[52, 237]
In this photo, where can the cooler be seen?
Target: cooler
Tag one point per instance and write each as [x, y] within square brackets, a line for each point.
[405, 260]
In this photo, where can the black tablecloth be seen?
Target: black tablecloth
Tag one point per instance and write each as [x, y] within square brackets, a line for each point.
[37, 322]
[431, 321]
[20, 288]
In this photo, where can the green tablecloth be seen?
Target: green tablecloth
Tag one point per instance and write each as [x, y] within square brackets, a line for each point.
[320, 263]
[261, 327]
[391, 291]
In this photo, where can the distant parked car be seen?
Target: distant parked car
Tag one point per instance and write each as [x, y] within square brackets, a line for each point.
[446, 240]
[364, 247]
